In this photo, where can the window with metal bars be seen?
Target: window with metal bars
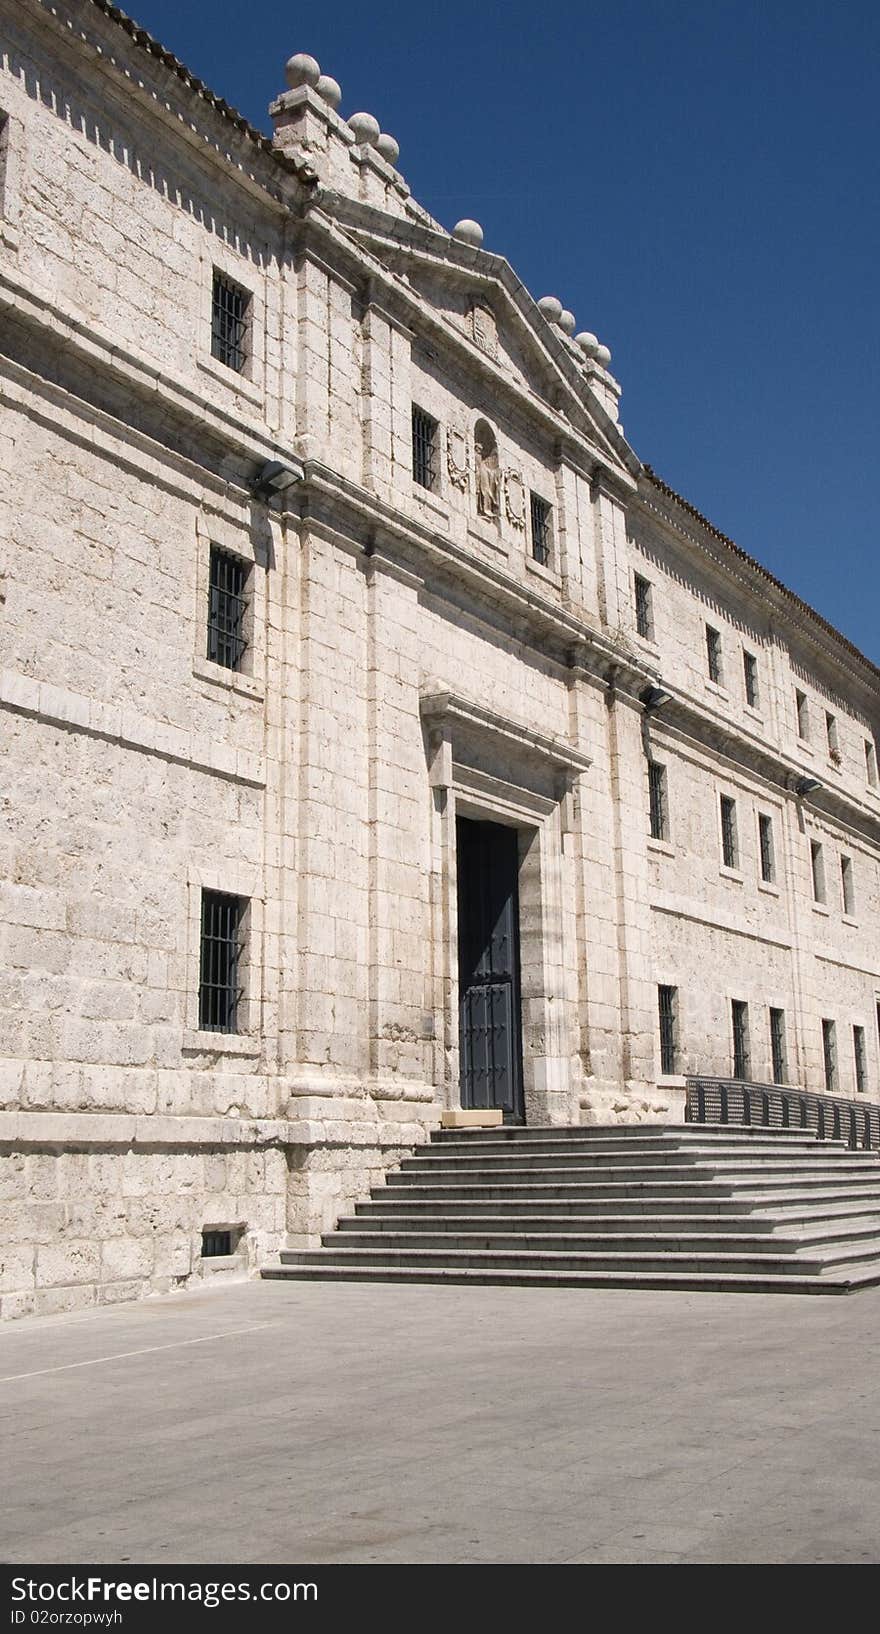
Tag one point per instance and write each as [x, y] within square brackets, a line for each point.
[750, 676]
[860, 1057]
[668, 1010]
[227, 608]
[847, 886]
[817, 869]
[424, 448]
[802, 708]
[713, 655]
[230, 322]
[658, 805]
[221, 952]
[644, 608]
[540, 513]
[777, 1046]
[729, 840]
[216, 1244]
[742, 1063]
[829, 1054]
[765, 842]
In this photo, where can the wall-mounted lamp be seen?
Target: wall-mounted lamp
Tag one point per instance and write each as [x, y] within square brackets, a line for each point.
[655, 697]
[807, 785]
[276, 477]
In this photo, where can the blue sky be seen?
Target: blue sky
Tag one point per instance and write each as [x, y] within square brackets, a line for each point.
[698, 182]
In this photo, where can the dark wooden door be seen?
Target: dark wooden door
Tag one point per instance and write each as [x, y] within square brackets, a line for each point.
[490, 1024]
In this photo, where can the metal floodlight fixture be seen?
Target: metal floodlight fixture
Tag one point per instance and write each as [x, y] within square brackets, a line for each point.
[655, 697]
[276, 478]
[807, 785]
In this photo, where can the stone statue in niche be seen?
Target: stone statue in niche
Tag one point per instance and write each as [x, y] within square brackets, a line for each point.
[487, 472]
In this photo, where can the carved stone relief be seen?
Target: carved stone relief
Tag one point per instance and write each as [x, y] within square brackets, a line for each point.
[515, 498]
[457, 461]
[484, 328]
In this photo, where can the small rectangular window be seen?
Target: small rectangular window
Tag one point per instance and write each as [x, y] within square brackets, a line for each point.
[668, 1004]
[847, 886]
[424, 448]
[713, 655]
[768, 858]
[860, 1057]
[831, 734]
[729, 839]
[540, 513]
[817, 867]
[803, 716]
[221, 950]
[750, 676]
[777, 1046]
[829, 1055]
[739, 1012]
[871, 762]
[659, 812]
[216, 1244]
[644, 608]
[230, 322]
[227, 608]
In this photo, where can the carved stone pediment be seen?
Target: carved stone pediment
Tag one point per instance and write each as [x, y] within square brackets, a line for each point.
[484, 329]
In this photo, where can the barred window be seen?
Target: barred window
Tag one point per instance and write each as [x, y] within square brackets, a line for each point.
[713, 655]
[750, 676]
[777, 1046]
[829, 1054]
[729, 839]
[803, 715]
[742, 1064]
[540, 513]
[424, 448]
[221, 950]
[668, 1012]
[847, 886]
[230, 322]
[860, 1056]
[768, 858]
[227, 608]
[644, 608]
[658, 805]
[817, 868]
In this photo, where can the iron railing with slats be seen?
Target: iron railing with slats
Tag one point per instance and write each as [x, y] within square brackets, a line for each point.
[772, 1106]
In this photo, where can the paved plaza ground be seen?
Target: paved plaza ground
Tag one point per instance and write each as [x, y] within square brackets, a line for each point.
[326, 1423]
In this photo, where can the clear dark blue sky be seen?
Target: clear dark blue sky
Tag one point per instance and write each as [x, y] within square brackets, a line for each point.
[696, 179]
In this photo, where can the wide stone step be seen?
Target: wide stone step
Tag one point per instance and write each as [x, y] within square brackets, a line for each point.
[672, 1156]
[745, 1177]
[851, 1280]
[538, 1241]
[808, 1204]
[553, 1259]
[585, 1190]
[471, 1146]
[620, 1131]
[666, 1227]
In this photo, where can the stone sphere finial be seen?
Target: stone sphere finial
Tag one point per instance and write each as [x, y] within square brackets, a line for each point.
[365, 129]
[588, 343]
[302, 70]
[330, 90]
[567, 322]
[603, 356]
[551, 308]
[388, 148]
[468, 232]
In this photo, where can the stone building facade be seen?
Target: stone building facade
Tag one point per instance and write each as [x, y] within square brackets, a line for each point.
[380, 734]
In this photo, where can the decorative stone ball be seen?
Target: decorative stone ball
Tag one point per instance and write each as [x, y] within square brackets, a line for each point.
[567, 322]
[329, 90]
[551, 308]
[302, 70]
[388, 148]
[588, 343]
[468, 232]
[603, 356]
[365, 129]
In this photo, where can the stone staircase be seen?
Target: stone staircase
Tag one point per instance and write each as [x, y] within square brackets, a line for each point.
[719, 1208]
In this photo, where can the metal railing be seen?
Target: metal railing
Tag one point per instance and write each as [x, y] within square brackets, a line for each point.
[771, 1106]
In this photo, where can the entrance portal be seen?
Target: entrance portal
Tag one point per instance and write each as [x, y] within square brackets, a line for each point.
[490, 1026]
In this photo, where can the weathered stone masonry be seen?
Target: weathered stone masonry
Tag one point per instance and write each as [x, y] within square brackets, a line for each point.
[410, 660]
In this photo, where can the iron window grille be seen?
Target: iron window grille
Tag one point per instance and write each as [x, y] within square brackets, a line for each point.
[644, 609]
[221, 951]
[713, 655]
[847, 886]
[777, 1046]
[729, 845]
[668, 1008]
[860, 1056]
[741, 1053]
[230, 318]
[750, 673]
[227, 608]
[817, 868]
[216, 1244]
[765, 839]
[829, 1053]
[659, 813]
[424, 448]
[540, 519]
[803, 716]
